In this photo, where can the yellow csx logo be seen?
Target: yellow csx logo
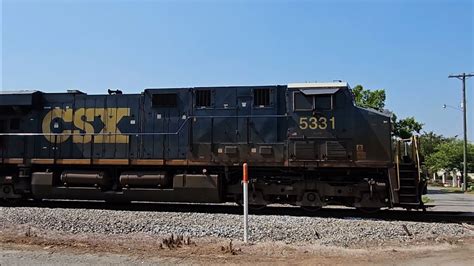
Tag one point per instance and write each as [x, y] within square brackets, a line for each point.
[82, 119]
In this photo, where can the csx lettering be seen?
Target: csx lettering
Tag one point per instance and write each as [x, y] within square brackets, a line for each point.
[82, 120]
[317, 122]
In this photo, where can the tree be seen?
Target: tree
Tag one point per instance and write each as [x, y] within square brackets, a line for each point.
[369, 99]
[448, 156]
[405, 128]
[375, 99]
[429, 142]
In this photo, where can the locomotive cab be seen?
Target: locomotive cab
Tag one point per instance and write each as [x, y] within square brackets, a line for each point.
[320, 128]
[327, 126]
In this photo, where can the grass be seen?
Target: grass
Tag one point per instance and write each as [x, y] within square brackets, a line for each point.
[426, 199]
[451, 190]
[456, 190]
[434, 184]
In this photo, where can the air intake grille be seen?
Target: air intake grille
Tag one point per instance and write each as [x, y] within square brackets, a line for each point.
[305, 150]
[336, 150]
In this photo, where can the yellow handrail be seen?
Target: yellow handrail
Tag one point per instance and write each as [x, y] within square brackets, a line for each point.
[397, 161]
[417, 152]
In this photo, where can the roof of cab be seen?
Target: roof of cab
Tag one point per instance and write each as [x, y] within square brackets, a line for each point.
[319, 85]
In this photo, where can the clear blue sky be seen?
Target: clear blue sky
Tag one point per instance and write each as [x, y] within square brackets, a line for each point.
[406, 47]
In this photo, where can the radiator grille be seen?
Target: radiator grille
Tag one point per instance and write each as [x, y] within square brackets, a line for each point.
[336, 150]
[305, 150]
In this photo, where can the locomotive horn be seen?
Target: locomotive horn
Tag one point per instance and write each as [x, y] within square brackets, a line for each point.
[114, 92]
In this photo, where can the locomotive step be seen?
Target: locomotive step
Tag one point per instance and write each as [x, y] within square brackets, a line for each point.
[407, 191]
[402, 163]
[408, 195]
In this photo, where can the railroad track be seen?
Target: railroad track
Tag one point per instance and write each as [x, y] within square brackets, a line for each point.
[344, 213]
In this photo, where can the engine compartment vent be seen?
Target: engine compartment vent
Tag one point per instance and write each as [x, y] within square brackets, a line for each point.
[336, 150]
[305, 150]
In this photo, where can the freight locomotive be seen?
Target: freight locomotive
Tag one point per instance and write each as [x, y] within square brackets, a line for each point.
[306, 144]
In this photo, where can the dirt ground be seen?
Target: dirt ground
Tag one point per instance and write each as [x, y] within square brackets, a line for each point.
[33, 246]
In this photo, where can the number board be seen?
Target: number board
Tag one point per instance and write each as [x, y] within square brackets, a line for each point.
[314, 123]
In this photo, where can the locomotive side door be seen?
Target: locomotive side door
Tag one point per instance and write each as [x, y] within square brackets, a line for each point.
[243, 110]
[166, 112]
[178, 125]
[152, 142]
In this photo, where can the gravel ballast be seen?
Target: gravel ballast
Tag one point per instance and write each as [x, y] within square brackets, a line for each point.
[290, 229]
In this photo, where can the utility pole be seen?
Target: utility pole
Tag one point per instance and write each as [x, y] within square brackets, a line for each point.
[463, 77]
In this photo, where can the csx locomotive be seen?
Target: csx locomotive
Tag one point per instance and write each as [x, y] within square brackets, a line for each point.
[306, 144]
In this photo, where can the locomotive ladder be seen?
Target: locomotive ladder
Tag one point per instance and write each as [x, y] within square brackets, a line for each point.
[408, 166]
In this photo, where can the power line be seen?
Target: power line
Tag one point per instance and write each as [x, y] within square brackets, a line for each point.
[463, 78]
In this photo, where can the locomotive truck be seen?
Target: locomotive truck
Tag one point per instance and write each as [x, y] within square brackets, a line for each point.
[306, 144]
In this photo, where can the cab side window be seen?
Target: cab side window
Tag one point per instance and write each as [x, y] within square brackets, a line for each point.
[303, 102]
[323, 102]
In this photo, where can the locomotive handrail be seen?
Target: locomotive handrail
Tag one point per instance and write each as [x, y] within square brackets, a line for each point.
[415, 140]
[98, 134]
[137, 133]
[415, 156]
[128, 134]
[88, 134]
[397, 161]
[237, 116]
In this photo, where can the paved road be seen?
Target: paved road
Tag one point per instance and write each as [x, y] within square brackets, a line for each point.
[445, 201]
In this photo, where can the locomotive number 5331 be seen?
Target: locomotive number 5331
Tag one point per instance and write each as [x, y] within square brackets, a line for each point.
[317, 122]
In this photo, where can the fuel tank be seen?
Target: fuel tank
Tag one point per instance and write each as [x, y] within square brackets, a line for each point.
[83, 178]
[143, 179]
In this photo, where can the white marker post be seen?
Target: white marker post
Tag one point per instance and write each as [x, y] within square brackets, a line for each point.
[245, 183]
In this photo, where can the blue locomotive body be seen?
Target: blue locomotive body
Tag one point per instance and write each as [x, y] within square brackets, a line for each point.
[306, 144]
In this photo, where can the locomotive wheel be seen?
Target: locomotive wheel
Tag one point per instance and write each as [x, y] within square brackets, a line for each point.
[311, 208]
[368, 210]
